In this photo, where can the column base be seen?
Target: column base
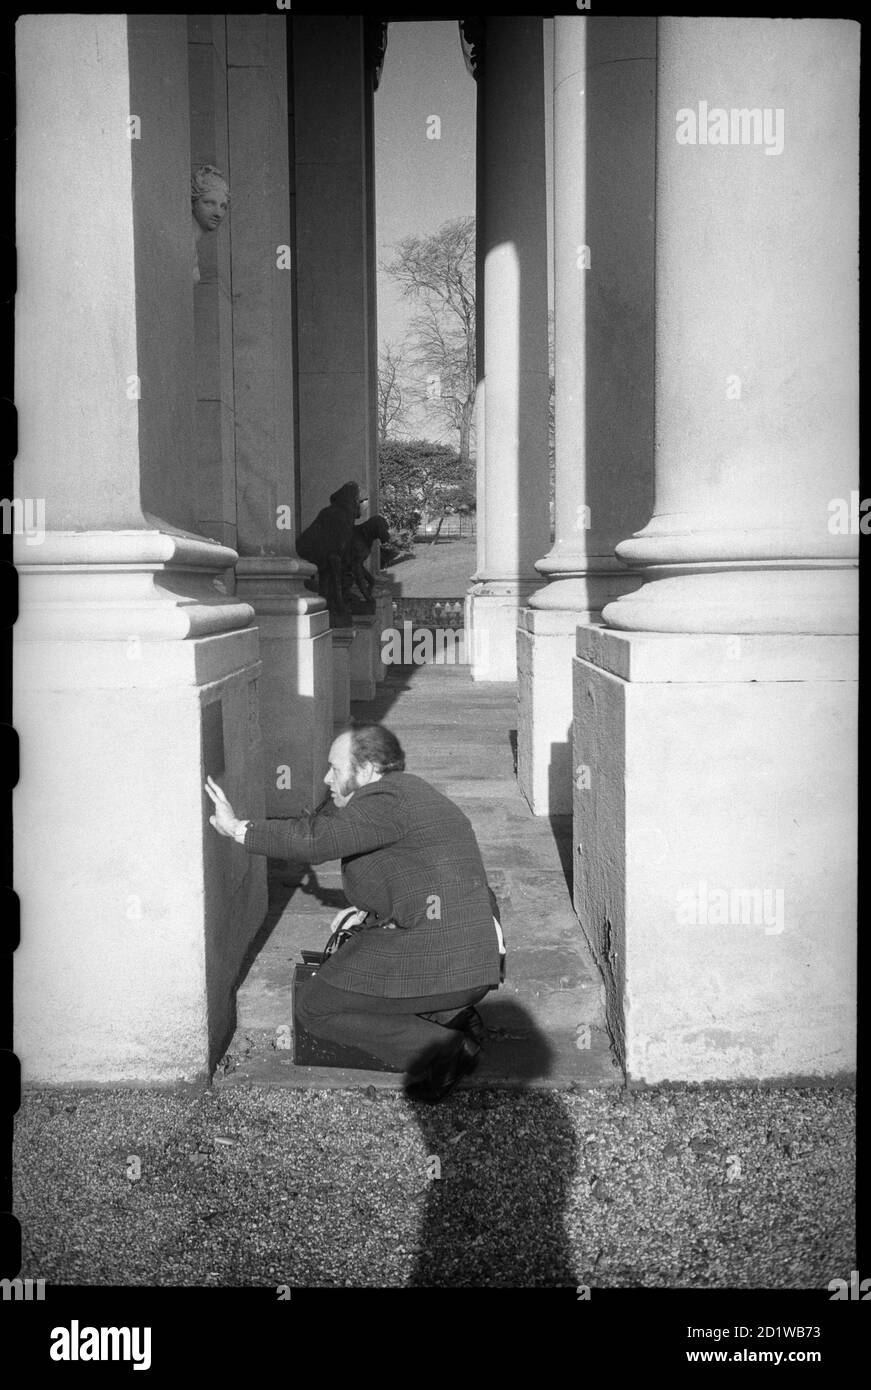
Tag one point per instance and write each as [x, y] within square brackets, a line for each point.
[756, 598]
[715, 850]
[585, 590]
[545, 648]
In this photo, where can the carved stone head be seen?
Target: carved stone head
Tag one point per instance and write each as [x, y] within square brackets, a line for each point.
[210, 197]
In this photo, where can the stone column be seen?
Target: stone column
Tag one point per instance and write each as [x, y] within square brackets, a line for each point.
[335, 66]
[604, 121]
[374, 49]
[135, 673]
[367, 668]
[213, 309]
[297, 683]
[715, 715]
[472, 43]
[515, 524]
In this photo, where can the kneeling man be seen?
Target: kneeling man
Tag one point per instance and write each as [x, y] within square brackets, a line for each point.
[410, 859]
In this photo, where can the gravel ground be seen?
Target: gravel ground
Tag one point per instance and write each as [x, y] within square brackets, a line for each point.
[699, 1188]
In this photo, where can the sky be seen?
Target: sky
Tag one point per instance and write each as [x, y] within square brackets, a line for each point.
[420, 183]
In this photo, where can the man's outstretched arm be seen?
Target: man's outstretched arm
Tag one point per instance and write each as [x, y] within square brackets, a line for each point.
[369, 821]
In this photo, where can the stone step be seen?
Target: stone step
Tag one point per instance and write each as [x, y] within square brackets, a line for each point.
[547, 1040]
[508, 1059]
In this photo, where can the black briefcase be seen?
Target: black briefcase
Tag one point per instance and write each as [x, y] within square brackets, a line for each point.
[309, 1051]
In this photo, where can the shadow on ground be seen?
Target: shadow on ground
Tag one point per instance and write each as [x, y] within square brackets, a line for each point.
[388, 692]
[509, 1209]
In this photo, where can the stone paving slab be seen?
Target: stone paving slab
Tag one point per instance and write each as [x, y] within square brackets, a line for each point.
[257, 1058]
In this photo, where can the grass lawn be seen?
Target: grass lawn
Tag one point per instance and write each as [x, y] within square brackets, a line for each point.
[442, 570]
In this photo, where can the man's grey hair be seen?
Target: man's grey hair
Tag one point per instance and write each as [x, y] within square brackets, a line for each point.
[372, 743]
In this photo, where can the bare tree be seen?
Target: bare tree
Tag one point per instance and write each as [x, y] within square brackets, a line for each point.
[438, 273]
[391, 369]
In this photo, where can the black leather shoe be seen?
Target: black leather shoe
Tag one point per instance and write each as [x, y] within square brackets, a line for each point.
[441, 1077]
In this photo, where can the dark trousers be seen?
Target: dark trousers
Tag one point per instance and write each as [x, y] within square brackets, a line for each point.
[390, 1029]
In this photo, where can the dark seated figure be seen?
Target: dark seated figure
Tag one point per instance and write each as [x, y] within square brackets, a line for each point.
[327, 544]
[356, 572]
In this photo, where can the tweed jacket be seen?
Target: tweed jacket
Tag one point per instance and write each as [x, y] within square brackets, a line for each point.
[408, 855]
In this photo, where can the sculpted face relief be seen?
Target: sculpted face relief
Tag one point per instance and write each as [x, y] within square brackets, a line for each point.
[210, 210]
[210, 203]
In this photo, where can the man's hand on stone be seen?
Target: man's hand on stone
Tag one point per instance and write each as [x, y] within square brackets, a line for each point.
[224, 819]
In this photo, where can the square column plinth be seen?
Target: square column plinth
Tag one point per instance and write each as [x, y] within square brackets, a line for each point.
[383, 627]
[545, 649]
[135, 913]
[343, 639]
[715, 850]
[371, 632]
[365, 650]
[296, 696]
[491, 632]
[296, 709]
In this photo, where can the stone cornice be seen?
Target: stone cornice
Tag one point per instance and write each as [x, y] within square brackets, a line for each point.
[274, 584]
[274, 566]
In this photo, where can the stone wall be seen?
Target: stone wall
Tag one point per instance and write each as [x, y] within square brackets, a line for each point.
[428, 612]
